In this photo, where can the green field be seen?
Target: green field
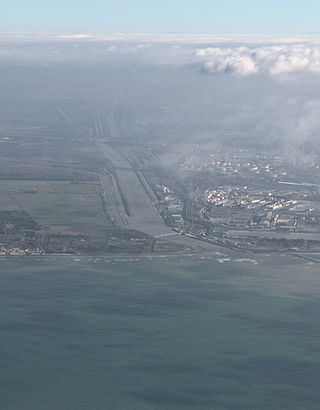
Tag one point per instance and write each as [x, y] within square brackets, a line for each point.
[61, 206]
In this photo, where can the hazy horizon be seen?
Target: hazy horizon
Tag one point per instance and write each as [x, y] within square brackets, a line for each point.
[181, 88]
[159, 204]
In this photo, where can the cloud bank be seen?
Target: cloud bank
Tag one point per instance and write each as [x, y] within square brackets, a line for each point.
[270, 98]
[214, 54]
[273, 60]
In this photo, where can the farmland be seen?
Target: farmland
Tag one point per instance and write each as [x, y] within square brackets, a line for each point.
[63, 207]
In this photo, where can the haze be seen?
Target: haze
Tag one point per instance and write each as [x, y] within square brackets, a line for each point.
[176, 89]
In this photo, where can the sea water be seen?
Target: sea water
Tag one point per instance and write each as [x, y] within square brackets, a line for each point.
[200, 331]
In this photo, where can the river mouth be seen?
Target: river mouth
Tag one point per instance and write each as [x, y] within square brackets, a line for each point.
[130, 204]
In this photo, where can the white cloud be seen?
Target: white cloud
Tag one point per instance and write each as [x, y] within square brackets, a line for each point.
[240, 54]
[75, 36]
[276, 59]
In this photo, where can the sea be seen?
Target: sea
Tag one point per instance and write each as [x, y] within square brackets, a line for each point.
[213, 329]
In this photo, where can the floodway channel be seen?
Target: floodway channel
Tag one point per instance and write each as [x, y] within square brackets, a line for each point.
[127, 196]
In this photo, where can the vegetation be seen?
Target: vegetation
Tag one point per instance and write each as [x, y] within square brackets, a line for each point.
[13, 222]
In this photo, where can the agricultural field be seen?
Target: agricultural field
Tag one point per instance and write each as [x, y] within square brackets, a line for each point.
[63, 207]
[6, 202]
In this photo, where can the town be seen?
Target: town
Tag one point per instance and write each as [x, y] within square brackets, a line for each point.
[244, 199]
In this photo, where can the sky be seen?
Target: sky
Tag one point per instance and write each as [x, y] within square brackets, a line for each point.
[264, 83]
[161, 16]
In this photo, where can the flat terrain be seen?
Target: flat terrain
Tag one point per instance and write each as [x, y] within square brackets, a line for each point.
[143, 215]
[68, 170]
[63, 207]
